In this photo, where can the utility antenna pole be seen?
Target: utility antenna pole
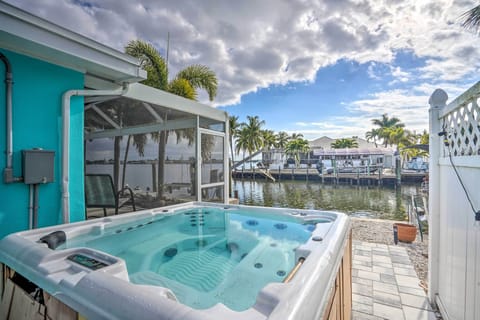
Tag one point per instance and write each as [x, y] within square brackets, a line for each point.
[168, 48]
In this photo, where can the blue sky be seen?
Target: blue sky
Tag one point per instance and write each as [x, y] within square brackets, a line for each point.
[316, 67]
[334, 89]
[329, 104]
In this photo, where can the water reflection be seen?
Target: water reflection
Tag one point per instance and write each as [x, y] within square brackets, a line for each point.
[374, 201]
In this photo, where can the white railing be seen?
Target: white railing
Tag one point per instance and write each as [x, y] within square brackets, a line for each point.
[454, 234]
[460, 121]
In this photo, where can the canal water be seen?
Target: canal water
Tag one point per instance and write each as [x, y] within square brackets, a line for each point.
[380, 202]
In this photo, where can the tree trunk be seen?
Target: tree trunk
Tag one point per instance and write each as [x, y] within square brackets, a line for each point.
[162, 144]
[154, 178]
[116, 161]
[125, 159]
[230, 178]
[231, 150]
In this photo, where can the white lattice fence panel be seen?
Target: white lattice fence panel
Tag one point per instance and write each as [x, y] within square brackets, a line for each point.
[462, 127]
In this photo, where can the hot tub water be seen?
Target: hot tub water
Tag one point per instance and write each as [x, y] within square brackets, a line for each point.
[206, 255]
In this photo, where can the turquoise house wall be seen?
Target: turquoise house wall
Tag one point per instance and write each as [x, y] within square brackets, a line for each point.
[37, 123]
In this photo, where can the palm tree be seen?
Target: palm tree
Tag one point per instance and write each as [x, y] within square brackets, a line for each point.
[269, 142]
[295, 147]
[130, 116]
[403, 138]
[385, 124]
[242, 142]
[424, 137]
[282, 139]
[295, 136]
[139, 142]
[471, 19]
[234, 128]
[344, 143]
[185, 83]
[373, 135]
[269, 139]
[124, 114]
[250, 136]
[400, 136]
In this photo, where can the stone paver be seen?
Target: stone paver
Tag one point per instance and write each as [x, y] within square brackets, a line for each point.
[418, 292]
[383, 270]
[387, 312]
[418, 314]
[385, 285]
[363, 316]
[387, 298]
[362, 289]
[407, 281]
[362, 304]
[405, 271]
[415, 301]
[368, 275]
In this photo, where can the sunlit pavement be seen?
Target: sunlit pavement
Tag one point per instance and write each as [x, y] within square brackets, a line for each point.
[385, 285]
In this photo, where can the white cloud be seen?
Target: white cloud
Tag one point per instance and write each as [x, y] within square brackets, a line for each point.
[371, 71]
[337, 128]
[399, 75]
[302, 124]
[410, 106]
[255, 44]
[410, 109]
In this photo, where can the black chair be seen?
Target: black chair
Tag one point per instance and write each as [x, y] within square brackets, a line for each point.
[100, 193]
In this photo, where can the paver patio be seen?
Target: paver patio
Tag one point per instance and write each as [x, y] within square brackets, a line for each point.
[385, 285]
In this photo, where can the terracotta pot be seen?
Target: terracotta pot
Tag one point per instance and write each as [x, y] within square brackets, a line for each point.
[406, 232]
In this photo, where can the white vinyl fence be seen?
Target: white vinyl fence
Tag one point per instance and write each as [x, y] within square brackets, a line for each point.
[454, 194]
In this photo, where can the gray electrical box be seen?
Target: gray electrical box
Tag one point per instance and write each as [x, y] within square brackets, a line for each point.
[37, 166]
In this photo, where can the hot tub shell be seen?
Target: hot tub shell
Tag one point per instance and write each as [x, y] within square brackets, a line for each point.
[107, 293]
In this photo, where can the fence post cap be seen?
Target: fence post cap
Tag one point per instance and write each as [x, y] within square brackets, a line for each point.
[438, 98]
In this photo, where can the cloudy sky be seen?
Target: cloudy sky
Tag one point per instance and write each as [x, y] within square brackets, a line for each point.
[324, 67]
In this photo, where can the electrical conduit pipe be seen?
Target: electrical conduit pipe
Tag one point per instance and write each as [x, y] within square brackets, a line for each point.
[8, 170]
[66, 138]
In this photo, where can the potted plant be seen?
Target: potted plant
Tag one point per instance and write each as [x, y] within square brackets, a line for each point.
[406, 232]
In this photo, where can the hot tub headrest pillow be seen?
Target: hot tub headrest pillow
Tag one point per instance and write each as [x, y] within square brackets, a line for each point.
[54, 239]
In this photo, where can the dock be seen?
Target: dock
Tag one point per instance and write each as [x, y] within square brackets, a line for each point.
[376, 178]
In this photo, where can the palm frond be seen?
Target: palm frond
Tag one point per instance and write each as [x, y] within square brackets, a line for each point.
[200, 77]
[182, 87]
[151, 61]
[139, 141]
[471, 19]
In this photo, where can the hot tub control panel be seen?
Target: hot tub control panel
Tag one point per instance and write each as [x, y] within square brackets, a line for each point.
[87, 262]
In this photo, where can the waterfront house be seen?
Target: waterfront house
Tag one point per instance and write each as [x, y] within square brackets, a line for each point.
[321, 151]
[367, 154]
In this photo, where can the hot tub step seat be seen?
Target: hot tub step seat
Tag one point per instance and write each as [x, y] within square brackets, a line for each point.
[183, 293]
[139, 257]
[204, 271]
[254, 272]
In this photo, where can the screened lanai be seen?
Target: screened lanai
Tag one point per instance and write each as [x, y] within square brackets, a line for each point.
[152, 142]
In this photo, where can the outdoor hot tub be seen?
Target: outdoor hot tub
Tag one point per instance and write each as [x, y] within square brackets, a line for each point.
[191, 261]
